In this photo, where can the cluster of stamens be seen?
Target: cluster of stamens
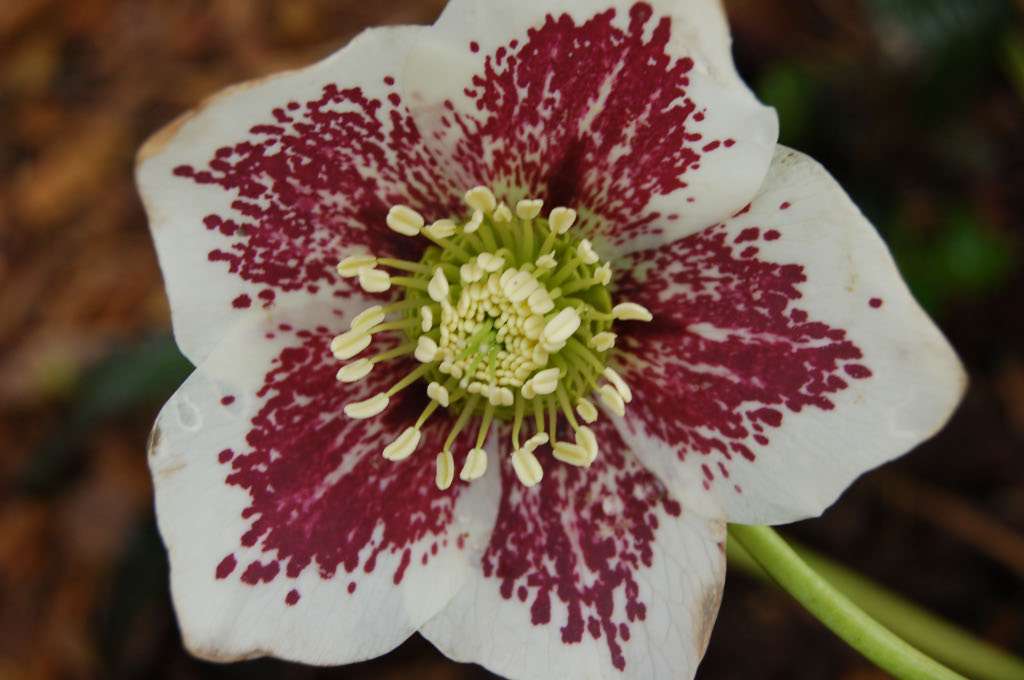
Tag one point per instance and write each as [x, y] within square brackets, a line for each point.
[509, 316]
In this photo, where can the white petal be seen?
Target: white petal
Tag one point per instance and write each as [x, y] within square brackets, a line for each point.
[563, 550]
[590, 139]
[324, 571]
[804, 365]
[287, 255]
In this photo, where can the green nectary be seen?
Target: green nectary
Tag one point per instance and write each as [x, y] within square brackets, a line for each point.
[510, 317]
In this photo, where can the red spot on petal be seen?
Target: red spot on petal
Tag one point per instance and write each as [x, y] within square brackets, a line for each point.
[748, 234]
[259, 572]
[292, 597]
[227, 400]
[226, 566]
[474, 47]
[402, 566]
[772, 235]
[784, 205]
[858, 371]
[241, 302]
[225, 456]
[875, 303]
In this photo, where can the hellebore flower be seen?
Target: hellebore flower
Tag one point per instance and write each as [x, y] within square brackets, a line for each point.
[496, 323]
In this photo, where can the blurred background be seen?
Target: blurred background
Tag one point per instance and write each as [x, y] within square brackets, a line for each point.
[916, 106]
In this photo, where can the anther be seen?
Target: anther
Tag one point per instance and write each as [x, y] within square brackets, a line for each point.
[438, 287]
[630, 311]
[611, 398]
[573, 454]
[404, 445]
[474, 222]
[620, 385]
[527, 467]
[441, 229]
[528, 208]
[560, 328]
[502, 214]
[438, 393]
[426, 318]
[540, 301]
[368, 318]
[603, 341]
[586, 410]
[520, 286]
[426, 349]
[585, 251]
[475, 465]
[535, 442]
[586, 438]
[481, 198]
[445, 470]
[355, 371]
[368, 408]
[471, 272]
[405, 220]
[544, 382]
[490, 262]
[546, 262]
[349, 344]
[561, 220]
[374, 280]
[353, 264]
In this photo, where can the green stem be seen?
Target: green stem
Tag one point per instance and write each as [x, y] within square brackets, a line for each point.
[944, 641]
[834, 609]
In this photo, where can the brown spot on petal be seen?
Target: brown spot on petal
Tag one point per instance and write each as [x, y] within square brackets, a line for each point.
[710, 602]
[167, 472]
[211, 652]
[154, 440]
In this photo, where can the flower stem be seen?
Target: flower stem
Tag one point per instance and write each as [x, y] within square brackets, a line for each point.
[834, 609]
[944, 641]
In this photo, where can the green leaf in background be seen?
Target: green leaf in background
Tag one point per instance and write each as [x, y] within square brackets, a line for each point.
[131, 377]
[950, 44]
[792, 92]
[963, 257]
[1013, 49]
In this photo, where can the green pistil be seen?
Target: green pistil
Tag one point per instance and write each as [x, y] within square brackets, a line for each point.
[413, 376]
[483, 332]
[571, 283]
[467, 411]
[401, 350]
[563, 400]
[517, 422]
[485, 425]
[526, 244]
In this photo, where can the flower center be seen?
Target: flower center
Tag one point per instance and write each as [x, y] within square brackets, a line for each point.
[510, 318]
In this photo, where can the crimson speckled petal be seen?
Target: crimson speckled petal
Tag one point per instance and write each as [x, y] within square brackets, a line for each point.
[254, 197]
[786, 358]
[598, 573]
[630, 112]
[287, 531]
